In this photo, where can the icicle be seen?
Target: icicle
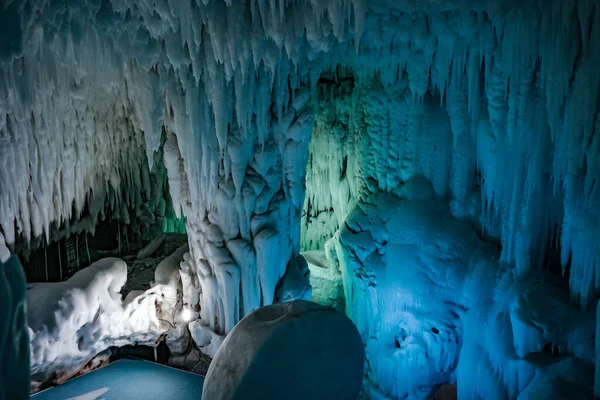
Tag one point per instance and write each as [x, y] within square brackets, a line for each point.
[119, 235]
[87, 249]
[46, 261]
[359, 21]
[77, 250]
[60, 261]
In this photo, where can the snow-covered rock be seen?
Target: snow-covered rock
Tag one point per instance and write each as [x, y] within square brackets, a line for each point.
[294, 350]
[72, 321]
[14, 340]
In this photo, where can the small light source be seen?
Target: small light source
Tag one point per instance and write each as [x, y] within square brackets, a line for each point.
[187, 314]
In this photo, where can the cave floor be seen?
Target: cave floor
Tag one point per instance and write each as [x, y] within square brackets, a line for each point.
[129, 379]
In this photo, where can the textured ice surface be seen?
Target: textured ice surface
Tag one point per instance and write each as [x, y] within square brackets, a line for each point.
[72, 321]
[507, 96]
[434, 305]
[206, 339]
[325, 279]
[292, 350]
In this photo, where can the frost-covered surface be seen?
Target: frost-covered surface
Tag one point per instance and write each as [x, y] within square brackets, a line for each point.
[72, 321]
[14, 341]
[498, 167]
[435, 305]
[292, 350]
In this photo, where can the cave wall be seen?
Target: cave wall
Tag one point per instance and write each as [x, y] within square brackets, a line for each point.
[510, 88]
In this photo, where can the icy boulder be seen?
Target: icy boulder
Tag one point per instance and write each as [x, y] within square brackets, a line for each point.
[293, 350]
[14, 351]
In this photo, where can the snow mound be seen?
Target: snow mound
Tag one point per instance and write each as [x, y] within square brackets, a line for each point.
[292, 350]
[72, 321]
[14, 356]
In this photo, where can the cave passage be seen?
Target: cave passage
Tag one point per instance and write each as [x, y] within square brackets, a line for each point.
[169, 170]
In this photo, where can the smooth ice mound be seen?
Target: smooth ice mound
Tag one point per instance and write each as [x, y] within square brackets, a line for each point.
[294, 350]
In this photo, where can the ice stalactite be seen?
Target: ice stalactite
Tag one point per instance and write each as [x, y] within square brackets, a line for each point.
[229, 83]
[330, 163]
[251, 230]
[491, 120]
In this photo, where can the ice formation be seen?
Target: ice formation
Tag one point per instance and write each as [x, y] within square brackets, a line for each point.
[325, 279]
[71, 322]
[435, 304]
[292, 350]
[495, 103]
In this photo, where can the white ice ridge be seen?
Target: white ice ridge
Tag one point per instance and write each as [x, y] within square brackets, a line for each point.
[85, 90]
[71, 322]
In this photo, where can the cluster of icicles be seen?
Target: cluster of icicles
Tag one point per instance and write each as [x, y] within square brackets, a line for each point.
[234, 86]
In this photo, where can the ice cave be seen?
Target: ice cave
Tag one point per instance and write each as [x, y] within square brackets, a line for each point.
[299, 199]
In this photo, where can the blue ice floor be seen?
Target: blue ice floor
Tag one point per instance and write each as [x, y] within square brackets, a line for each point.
[129, 379]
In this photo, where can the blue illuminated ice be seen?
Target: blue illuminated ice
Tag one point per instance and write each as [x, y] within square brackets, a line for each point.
[436, 305]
